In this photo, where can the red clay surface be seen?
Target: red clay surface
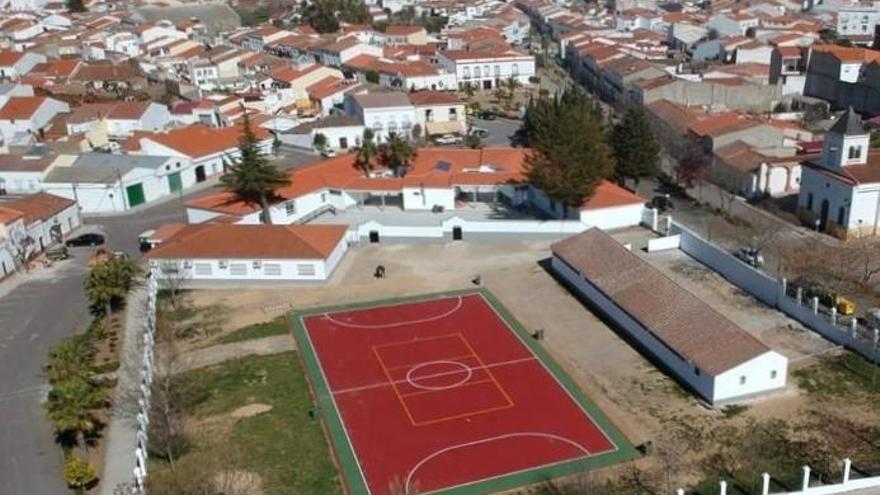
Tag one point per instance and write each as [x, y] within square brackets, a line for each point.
[441, 393]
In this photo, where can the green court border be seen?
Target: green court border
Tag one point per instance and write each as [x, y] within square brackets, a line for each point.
[355, 484]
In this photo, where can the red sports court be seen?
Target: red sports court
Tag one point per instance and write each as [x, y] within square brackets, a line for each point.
[445, 394]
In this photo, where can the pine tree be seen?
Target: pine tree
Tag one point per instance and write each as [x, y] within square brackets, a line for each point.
[635, 149]
[252, 177]
[570, 156]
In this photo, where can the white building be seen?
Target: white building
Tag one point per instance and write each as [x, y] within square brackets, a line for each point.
[342, 132]
[47, 218]
[127, 117]
[713, 356]
[196, 254]
[15, 64]
[439, 112]
[487, 69]
[25, 117]
[385, 113]
[857, 22]
[840, 192]
[108, 183]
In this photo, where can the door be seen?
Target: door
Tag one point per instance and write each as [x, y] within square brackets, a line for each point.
[200, 173]
[174, 182]
[343, 143]
[456, 233]
[823, 215]
[135, 193]
[374, 236]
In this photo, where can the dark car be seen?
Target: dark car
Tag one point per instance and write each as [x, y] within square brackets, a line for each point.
[487, 115]
[85, 240]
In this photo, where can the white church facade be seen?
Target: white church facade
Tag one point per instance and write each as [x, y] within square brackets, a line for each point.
[840, 192]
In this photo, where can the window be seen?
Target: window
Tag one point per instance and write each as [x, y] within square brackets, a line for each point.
[497, 71]
[467, 72]
[855, 152]
[476, 74]
[514, 69]
[696, 370]
[841, 215]
[742, 380]
[773, 375]
[810, 201]
[290, 207]
[323, 197]
[203, 269]
[453, 114]
[272, 269]
[169, 267]
[223, 264]
[335, 192]
[238, 269]
[187, 264]
[305, 270]
[257, 264]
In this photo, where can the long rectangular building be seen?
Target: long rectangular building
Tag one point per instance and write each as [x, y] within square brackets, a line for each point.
[703, 349]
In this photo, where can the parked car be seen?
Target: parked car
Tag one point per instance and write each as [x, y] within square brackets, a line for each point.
[448, 139]
[750, 256]
[661, 203]
[328, 153]
[90, 239]
[487, 115]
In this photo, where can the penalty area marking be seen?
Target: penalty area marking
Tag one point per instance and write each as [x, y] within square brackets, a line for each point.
[468, 373]
[429, 458]
[398, 323]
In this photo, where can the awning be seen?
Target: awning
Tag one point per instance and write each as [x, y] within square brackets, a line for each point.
[433, 128]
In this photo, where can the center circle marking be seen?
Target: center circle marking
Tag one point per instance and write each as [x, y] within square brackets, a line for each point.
[412, 380]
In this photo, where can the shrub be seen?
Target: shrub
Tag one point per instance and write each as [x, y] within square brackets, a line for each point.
[79, 474]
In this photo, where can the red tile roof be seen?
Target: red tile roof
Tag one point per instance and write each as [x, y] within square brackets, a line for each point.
[229, 241]
[677, 317]
[8, 58]
[40, 206]
[488, 166]
[21, 107]
[198, 140]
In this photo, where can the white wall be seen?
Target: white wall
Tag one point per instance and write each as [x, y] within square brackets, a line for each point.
[415, 198]
[613, 218]
[21, 182]
[762, 374]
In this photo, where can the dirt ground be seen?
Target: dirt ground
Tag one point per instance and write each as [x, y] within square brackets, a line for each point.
[637, 397]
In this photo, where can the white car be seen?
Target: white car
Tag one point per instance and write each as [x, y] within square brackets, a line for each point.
[448, 139]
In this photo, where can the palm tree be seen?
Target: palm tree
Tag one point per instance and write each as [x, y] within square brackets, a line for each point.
[71, 408]
[109, 283]
[72, 359]
[366, 152]
[251, 176]
[398, 153]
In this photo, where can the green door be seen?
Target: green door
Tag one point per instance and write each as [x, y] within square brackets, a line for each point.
[174, 182]
[135, 193]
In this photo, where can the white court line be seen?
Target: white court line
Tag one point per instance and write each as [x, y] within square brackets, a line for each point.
[433, 375]
[412, 472]
[469, 372]
[398, 323]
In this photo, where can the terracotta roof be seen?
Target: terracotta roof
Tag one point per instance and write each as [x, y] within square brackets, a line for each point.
[40, 206]
[8, 215]
[8, 58]
[679, 117]
[432, 167]
[483, 54]
[21, 107]
[129, 110]
[683, 322]
[197, 140]
[230, 241]
[847, 54]
[724, 123]
[434, 98]
[56, 68]
[328, 86]
[403, 30]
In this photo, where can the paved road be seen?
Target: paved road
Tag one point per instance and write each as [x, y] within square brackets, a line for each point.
[38, 311]
[33, 317]
[500, 130]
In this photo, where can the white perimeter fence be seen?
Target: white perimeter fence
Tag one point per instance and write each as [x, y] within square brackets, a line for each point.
[774, 292]
[145, 386]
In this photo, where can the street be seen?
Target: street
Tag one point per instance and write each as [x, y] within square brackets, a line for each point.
[501, 130]
[37, 311]
[34, 316]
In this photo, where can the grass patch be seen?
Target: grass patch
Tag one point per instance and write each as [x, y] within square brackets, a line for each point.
[283, 446]
[841, 375]
[271, 328]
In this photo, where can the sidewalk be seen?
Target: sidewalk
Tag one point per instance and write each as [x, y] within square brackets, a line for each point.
[119, 458]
